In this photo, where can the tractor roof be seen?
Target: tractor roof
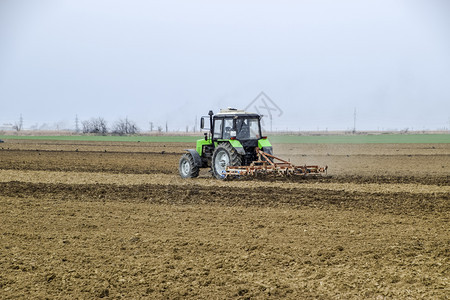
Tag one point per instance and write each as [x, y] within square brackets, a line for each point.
[234, 112]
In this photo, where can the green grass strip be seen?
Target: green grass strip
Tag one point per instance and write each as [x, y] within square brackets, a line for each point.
[94, 138]
[276, 139]
[364, 139]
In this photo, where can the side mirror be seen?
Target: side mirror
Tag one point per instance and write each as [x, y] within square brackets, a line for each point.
[202, 123]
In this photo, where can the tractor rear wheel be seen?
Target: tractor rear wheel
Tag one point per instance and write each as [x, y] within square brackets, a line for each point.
[187, 167]
[224, 155]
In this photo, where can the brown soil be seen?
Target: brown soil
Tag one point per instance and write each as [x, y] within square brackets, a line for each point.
[122, 224]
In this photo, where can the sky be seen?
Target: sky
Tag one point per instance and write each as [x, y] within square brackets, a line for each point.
[172, 61]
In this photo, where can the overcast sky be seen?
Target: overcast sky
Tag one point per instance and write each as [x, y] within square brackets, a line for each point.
[175, 60]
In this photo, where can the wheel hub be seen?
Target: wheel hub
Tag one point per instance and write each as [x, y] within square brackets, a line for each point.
[222, 161]
[185, 167]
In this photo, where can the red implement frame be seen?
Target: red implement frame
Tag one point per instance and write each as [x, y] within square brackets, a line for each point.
[268, 164]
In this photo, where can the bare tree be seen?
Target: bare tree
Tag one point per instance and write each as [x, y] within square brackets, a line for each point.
[100, 126]
[123, 127]
[86, 125]
[95, 125]
[19, 125]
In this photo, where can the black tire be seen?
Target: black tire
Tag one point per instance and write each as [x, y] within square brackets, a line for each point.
[224, 155]
[187, 167]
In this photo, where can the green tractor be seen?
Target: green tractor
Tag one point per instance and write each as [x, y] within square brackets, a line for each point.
[232, 139]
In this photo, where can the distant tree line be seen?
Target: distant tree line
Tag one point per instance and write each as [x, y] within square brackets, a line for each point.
[100, 126]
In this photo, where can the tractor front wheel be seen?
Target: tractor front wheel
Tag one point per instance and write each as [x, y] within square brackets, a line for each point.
[224, 155]
[187, 167]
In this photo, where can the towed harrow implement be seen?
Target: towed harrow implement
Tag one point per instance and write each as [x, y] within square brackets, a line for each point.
[268, 164]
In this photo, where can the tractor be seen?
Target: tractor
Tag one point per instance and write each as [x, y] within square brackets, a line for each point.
[234, 146]
[231, 140]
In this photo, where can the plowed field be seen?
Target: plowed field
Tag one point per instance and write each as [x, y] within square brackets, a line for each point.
[90, 219]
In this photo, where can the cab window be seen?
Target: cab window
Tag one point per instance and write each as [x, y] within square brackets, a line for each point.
[218, 124]
[228, 127]
[247, 129]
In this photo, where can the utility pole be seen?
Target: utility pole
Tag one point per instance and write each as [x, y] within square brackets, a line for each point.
[151, 126]
[20, 122]
[354, 121]
[195, 124]
[167, 127]
[77, 127]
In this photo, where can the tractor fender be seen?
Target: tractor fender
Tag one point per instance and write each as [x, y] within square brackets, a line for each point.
[196, 156]
[237, 146]
[240, 150]
[267, 150]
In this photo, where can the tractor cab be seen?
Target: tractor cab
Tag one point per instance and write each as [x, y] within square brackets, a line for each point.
[237, 125]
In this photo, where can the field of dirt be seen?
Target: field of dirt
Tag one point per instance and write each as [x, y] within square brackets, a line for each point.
[115, 220]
